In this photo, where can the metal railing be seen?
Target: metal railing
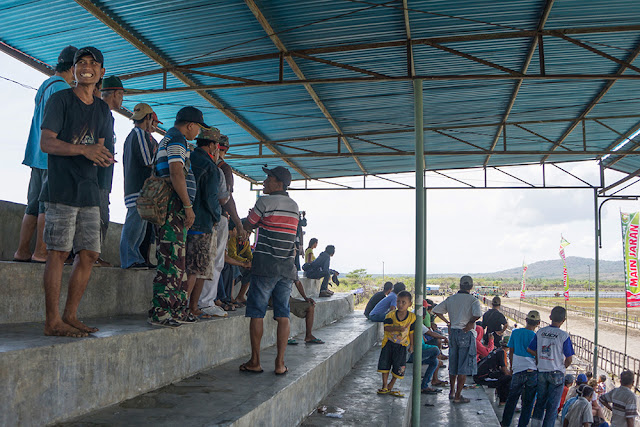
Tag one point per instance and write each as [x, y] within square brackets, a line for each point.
[615, 318]
[611, 361]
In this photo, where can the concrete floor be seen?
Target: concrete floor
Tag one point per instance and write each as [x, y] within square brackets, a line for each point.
[357, 402]
[224, 396]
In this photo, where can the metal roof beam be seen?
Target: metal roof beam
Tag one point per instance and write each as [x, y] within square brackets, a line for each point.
[338, 64]
[632, 57]
[411, 68]
[266, 26]
[620, 182]
[532, 49]
[473, 58]
[599, 52]
[26, 59]
[622, 154]
[587, 155]
[146, 48]
[397, 43]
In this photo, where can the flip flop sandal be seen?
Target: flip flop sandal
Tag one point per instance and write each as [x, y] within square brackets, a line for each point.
[430, 391]
[315, 341]
[462, 400]
[243, 368]
[451, 397]
[286, 371]
[396, 393]
[204, 316]
[292, 342]
[383, 391]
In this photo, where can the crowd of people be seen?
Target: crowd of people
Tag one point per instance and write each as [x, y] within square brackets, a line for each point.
[528, 365]
[202, 246]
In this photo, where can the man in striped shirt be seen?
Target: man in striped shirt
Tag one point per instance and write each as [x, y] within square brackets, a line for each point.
[272, 269]
[139, 152]
[622, 402]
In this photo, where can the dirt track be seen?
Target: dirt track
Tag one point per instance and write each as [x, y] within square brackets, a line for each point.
[609, 335]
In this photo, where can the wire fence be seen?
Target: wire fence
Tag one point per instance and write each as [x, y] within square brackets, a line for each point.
[611, 361]
[615, 318]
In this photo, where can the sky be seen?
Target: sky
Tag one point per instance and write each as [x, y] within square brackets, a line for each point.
[468, 231]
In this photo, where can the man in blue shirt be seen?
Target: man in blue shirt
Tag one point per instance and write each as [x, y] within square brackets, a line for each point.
[319, 269]
[554, 352]
[37, 160]
[524, 379]
[387, 304]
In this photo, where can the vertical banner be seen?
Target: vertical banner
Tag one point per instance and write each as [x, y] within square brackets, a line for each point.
[524, 285]
[565, 276]
[630, 223]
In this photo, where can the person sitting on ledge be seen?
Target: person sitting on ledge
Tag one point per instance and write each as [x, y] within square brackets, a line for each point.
[377, 297]
[319, 269]
[387, 304]
[304, 309]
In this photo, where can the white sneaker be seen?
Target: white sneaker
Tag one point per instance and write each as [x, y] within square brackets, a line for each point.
[216, 311]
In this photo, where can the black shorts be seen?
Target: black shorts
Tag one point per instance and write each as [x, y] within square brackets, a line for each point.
[393, 357]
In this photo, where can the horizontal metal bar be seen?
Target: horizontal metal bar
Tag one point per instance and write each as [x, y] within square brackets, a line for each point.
[440, 188]
[431, 153]
[342, 80]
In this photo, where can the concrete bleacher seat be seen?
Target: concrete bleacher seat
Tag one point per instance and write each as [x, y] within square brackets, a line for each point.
[110, 292]
[223, 395]
[48, 379]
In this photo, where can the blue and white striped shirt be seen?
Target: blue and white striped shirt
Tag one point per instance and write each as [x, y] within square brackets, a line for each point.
[174, 148]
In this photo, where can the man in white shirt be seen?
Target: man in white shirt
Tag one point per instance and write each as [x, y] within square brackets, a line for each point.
[554, 351]
[463, 309]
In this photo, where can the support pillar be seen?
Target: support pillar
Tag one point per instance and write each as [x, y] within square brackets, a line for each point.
[597, 280]
[420, 252]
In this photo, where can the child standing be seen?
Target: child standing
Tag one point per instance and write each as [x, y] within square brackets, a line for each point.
[398, 327]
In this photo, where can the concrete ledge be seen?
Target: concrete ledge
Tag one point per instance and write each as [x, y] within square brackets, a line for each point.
[223, 396]
[110, 292]
[356, 395]
[47, 379]
[11, 220]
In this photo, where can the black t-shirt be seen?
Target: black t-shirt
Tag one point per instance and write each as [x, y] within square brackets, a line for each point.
[73, 180]
[375, 299]
[105, 175]
[489, 367]
[493, 320]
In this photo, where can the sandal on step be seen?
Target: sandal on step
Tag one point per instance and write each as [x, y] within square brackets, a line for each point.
[383, 391]
[430, 390]
[396, 393]
[462, 400]
[292, 342]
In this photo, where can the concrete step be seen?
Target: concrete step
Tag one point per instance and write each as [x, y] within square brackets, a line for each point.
[48, 379]
[223, 396]
[356, 402]
[111, 291]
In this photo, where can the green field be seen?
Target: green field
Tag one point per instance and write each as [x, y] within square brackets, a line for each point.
[606, 304]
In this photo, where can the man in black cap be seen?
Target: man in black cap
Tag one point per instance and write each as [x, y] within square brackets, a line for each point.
[169, 306]
[272, 268]
[112, 93]
[74, 129]
[37, 160]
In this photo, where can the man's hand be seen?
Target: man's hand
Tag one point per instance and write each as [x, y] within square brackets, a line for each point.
[411, 348]
[311, 301]
[242, 233]
[467, 327]
[246, 265]
[191, 217]
[98, 154]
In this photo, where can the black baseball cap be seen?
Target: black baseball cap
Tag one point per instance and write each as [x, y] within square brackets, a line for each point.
[280, 173]
[89, 50]
[67, 55]
[191, 114]
[111, 83]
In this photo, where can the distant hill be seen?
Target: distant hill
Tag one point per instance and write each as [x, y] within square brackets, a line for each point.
[578, 268]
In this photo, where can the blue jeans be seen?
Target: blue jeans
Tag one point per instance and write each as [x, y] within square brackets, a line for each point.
[429, 358]
[133, 232]
[526, 384]
[377, 317]
[550, 385]
[262, 288]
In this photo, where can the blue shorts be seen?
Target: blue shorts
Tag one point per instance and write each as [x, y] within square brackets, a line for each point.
[262, 288]
[462, 353]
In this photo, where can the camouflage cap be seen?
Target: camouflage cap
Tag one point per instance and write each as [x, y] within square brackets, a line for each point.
[211, 134]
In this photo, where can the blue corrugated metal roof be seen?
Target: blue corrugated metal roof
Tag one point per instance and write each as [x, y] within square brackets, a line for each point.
[376, 117]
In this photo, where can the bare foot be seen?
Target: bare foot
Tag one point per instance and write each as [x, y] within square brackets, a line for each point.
[248, 367]
[21, 257]
[79, 325]
[197, 312]
[63, 330]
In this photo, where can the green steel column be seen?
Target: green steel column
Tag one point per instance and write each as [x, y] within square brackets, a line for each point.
[596, 216]
[420, 252]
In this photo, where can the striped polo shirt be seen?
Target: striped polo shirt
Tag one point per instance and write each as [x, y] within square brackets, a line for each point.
[174, 148]
[276, 217]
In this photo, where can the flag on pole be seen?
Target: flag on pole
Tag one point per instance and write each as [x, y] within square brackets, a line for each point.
[565, 278]
[524, 285]
[630, 223]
